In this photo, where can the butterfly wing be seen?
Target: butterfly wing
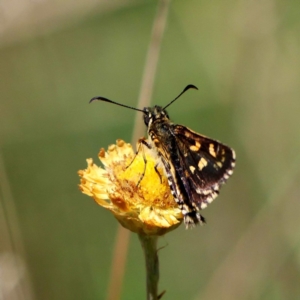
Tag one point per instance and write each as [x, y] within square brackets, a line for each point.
[206, 163]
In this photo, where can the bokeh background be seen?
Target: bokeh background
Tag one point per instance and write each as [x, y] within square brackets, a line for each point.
[244, 56]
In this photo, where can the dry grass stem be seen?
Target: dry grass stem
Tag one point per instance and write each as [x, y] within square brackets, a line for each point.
[123, 235]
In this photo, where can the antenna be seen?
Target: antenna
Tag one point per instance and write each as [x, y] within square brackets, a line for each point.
[100, 98]
[190, 86]
[113, 102]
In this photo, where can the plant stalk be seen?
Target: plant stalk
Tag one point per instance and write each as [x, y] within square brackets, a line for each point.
[149, 245]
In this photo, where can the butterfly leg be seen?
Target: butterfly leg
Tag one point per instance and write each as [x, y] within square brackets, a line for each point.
[157, 172]
[145, 143]
[136, 153]
[145, 165]
[144, 158]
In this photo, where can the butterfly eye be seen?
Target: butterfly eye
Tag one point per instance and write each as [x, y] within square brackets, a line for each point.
[146, 119]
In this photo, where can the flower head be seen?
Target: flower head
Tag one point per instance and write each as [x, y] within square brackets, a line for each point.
[129, 185]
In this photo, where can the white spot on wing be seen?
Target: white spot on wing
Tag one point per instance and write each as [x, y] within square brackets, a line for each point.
[202, 163]
[192, 168]
[203, 205]
[212, 150]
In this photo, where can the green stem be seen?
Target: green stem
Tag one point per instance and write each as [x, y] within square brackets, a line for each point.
[149, 244]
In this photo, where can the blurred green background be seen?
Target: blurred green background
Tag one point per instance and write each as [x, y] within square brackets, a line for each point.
[55, 242]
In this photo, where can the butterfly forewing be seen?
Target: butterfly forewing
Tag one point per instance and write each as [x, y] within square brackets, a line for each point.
[207, 164]
[195, 165]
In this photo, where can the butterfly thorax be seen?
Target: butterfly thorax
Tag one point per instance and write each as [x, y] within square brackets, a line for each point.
[158, 123]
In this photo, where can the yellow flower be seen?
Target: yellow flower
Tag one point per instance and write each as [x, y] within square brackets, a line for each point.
[142, 204]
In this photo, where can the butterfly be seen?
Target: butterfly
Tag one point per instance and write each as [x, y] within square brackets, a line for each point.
[195, 165]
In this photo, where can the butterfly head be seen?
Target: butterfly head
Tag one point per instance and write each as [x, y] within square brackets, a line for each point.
[151, 114]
